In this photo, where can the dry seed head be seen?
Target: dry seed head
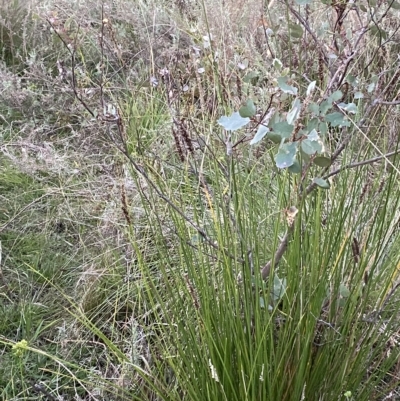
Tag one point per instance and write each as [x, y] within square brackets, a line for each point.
[184, 132]
[124, 205]
[192, 292]
[178, 145]
[364, 191]
[290, 215]
[381, 185]
[321, 67]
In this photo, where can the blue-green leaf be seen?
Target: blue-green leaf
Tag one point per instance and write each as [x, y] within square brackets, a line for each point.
[323, 128]
[294, 113]
[252, 76]
[248, 109]
[395, 5]
[322, 161]
[283, 128]
[325, 106]
[277, 64]
[311, 87]
[286, 154]
[337, 119]
[310, 147]
[344, 291]
[233, 122]
[349, 107]
[261, 132]
[282, 83]
[295, 168]
[352, 79]
[313, 135]
[312, 124]
[336, 96]
[377, 31]
[322, 183]
[274, 137]
[313, 144]
[307, 147]
[295, 31]
[279, 288]
[371, 86]
[314, 108]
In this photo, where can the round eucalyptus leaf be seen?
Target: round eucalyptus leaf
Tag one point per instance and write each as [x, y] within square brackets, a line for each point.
[323, 128]
[283, 128]
[286, 155]
[349, 107]
[295, 168]
[295, 30]
[274, 137]
[314, 108]
[325, 106]
[322, 161]
[337, 119]
[336, 96]
[248, 109]
[321, 183]
[285, 87]
[251, 77]
[344, 291]
[233, 122]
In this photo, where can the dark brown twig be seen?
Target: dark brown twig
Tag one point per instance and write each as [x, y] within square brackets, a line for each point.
[278, 254]
[363, 163]
[71, 48]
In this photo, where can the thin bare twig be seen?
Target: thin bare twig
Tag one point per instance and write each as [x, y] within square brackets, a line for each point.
[266, 36]
[363, 163]
[393, 103]
[72, 50]
[278, 254]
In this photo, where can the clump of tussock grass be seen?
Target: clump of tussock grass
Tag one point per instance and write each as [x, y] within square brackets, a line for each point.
[158, 291]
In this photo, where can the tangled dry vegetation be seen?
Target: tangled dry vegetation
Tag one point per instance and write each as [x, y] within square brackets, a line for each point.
[106, 104]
